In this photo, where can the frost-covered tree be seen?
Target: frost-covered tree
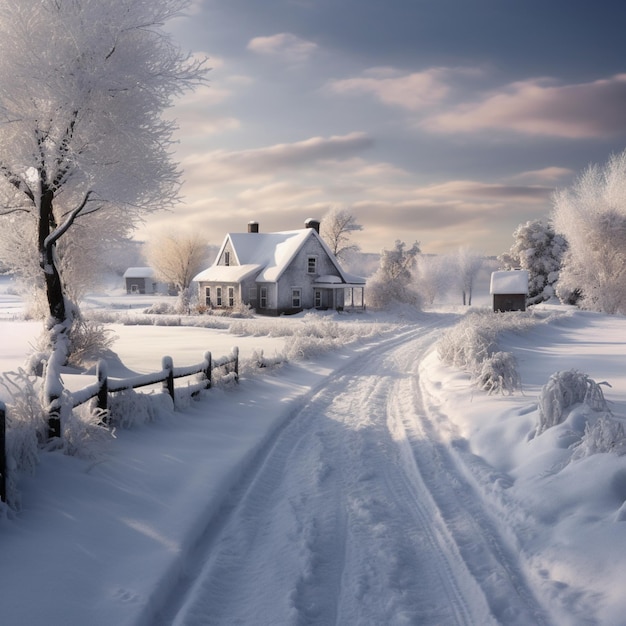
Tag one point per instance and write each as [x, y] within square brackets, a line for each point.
[82, 140]
[591, 216]
[336, 229]
[393, 280]
[538, 249]
[83, 256]
[435, 276]
[468, 265]
[176, 258]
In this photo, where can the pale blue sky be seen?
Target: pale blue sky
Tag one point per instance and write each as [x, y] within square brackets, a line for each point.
[444, 121]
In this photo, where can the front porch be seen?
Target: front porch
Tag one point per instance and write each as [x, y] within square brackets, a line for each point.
[339, 296]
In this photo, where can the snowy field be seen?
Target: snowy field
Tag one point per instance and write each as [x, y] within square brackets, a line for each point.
[363, 484]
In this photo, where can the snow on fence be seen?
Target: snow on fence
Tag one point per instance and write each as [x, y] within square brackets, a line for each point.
[105, 386]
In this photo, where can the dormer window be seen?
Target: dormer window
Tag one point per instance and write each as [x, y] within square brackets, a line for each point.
[227, 258]
[311, 267]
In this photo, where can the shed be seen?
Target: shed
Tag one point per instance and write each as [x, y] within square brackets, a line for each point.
[509, 290]
[140, 280]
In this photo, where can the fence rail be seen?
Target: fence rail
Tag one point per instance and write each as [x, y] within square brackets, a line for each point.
[105, 386]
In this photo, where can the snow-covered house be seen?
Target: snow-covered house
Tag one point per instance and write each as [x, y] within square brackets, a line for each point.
[282, 272]
[140, 280]
[509, 290]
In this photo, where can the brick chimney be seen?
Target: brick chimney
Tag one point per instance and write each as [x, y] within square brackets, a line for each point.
[253, 227]
[312, 223]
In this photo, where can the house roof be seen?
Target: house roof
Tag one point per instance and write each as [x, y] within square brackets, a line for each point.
[139, 272]
[509, 282]
[269, 254]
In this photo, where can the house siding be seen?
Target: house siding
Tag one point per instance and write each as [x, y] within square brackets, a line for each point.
[298, 276]
[503, 302]
[295, 273]
[228, 250]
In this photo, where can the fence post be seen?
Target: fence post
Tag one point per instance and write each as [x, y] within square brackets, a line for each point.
[236, 357]
[102, 398]
[3, 452]
[168, 383]
[208, 367]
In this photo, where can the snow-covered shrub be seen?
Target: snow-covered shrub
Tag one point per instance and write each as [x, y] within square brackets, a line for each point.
[564, 390]
[84, 435]
[161, 308]
[89, 340]
[26, 427]
[498, 374]
[472, 345]
[241, 309]
[605, 434]
[258, 360]
[129, 408]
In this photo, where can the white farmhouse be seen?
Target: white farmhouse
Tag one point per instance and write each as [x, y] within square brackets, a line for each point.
[276, 273]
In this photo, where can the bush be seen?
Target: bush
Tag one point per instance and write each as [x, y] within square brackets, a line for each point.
[26, 427]
[472, 345]
[498, 374]
[603, 435]
[564, 390]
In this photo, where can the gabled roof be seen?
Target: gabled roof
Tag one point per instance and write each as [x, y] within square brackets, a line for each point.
[139, 272]
[269, 254]
[509, 282]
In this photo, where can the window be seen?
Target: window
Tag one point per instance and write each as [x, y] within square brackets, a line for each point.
[263, 297]
[318, 299]
[231, 296]
[296, 297]
[218, 296]
[311, 265]
[226, 258]
[252, 294]
[207, 296]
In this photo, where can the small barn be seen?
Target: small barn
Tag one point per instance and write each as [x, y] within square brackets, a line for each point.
[509, 290]
[140, 280]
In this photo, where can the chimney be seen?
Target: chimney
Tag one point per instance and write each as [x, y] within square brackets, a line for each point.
[253, 227]
[312, 223]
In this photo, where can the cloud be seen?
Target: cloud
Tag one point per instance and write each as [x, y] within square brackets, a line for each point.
[412, 92]
[545, 175]
[285, 45]
[222, 166]
[539, 107]
[489, 191]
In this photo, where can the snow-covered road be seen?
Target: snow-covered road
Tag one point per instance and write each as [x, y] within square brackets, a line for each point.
[358, 511]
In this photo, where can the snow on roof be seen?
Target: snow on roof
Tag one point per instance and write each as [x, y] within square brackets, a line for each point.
[329, 279]
[515, 281]
[269, 254]
[139, 272]
[272, 251]
[226, 273]
[354, 279]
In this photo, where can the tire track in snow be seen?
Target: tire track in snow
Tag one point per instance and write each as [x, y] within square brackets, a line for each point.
[488, 554]
[334, 525]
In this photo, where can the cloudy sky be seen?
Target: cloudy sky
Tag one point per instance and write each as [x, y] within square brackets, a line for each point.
[448, 122]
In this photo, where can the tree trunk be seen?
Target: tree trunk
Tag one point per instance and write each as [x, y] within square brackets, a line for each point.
[54, 287]
[58, 325]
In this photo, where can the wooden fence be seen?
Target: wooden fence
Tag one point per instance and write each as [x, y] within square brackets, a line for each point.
[105, 386]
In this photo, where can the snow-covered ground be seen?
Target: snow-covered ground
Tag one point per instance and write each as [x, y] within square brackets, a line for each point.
[369, 484]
